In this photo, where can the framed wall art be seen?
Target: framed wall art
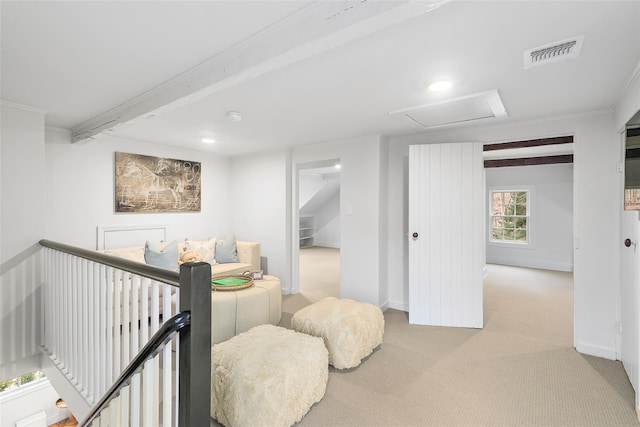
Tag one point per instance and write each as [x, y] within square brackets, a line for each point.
[145, 184]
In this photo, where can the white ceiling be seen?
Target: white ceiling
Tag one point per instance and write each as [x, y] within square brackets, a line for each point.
[298, 80]
[77, 59]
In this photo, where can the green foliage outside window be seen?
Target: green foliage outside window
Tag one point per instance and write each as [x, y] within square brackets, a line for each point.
[13, 383]
[5, 385]
[509, 216]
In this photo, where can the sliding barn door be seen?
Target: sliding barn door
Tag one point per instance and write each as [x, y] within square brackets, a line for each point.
[446, 234]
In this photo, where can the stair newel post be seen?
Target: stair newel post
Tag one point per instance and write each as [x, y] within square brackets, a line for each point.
[195, 346]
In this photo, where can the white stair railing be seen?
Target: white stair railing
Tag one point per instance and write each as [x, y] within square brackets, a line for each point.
[121, 405]
[99, 312]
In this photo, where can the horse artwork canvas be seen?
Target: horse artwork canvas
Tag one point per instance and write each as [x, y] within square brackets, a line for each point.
[154, 184]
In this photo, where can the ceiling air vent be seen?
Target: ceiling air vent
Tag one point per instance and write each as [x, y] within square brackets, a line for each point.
[554, 52]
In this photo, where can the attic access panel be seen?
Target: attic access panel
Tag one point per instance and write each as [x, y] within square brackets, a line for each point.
[479, 106]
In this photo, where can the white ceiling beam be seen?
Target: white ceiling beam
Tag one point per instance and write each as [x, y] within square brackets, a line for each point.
[314, 29]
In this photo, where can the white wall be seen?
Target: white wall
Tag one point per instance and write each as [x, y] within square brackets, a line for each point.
[29, 400]
[551, 220]
[22, 210]
[398, 219]
[22, 178]
[272, 216]
[596, 216]
[597, 204]
[264, 183]
[309, 186]
[383, 222]
[327, 223]
[62, 192]
[80, 191]
[360, 217]
[260, 200]
[319, 196]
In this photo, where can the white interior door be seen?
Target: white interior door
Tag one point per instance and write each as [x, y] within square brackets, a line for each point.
[630, 266]
[630, 299]
[446, 234]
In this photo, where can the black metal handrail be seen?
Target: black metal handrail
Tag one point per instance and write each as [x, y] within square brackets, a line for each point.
[145, 270]
[165, 334]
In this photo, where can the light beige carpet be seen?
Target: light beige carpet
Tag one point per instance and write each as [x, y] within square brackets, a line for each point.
[319, 272]
[520, 370]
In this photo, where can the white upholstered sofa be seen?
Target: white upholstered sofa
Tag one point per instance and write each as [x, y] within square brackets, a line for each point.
[233, 312]
[248, 257]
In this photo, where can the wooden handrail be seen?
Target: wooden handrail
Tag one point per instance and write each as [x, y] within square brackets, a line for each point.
[145, 270]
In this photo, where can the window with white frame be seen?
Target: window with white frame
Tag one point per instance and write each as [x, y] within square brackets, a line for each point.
[509, 211]
[14, 383]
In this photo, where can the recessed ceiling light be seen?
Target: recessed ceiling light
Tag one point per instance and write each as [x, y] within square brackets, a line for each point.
[208, 140]
[234, 116]
[337, 166]
[440, 85]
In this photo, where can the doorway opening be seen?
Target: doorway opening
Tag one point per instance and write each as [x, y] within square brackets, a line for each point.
[529, 217]
[319, 229]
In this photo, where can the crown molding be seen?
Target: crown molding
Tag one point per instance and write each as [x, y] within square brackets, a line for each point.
[22, 107]
[632, 80]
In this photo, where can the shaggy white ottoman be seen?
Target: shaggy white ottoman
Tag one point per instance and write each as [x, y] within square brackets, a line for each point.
[350, 329]
[267, 376]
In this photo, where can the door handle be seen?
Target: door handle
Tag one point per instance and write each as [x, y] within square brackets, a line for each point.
[628, 243]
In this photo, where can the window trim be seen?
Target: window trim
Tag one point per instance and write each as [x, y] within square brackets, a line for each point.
[38, 373]
[26, 389]
[529, 244]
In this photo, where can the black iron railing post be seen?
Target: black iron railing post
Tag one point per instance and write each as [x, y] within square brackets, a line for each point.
[194, 407]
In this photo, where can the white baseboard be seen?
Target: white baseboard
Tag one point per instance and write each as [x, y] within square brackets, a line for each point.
[527, 263]
[333, 245]
[397, 305]
[598, 351]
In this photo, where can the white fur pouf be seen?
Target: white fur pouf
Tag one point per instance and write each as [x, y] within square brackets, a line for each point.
[350, 329]
[267, 376]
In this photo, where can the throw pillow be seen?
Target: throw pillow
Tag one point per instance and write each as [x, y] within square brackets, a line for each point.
[190, 256]
[206, 248]
[161, 255]
[226, 250]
